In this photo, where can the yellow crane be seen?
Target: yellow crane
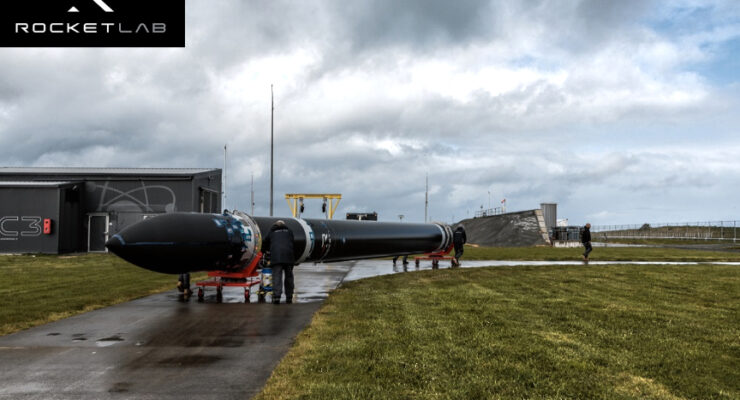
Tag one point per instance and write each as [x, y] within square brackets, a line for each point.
[331, 202]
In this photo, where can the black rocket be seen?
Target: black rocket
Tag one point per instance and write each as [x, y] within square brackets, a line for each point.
[187, 242]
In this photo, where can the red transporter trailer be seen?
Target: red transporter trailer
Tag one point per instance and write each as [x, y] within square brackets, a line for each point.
[436, 257]
[245, 278]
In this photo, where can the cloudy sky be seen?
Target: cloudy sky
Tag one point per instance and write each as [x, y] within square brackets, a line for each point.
[619, 111]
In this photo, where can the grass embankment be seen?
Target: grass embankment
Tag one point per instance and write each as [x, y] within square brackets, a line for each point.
[654, 332]
[599, 254]
[40, 289]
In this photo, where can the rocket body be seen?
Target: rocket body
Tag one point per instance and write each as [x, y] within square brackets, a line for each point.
[187, 242]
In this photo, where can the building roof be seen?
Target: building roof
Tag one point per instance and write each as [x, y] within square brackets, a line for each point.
[36, 184]
[106, 171]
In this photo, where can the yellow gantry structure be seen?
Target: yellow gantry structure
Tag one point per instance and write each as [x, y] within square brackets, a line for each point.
[295, 201]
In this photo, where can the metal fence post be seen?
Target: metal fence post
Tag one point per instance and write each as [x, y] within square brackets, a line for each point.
[734, 230]
[709, 231]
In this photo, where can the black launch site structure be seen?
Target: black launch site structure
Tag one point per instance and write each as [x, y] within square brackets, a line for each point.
[373, 216]
[62, 210]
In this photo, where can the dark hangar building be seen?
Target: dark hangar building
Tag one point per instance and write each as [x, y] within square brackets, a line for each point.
[61, 210]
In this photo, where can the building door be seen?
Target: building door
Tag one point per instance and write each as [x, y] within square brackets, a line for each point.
[97, 232]
[209, 201]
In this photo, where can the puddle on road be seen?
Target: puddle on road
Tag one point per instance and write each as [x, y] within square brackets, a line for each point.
[109, 341]
[78, 337]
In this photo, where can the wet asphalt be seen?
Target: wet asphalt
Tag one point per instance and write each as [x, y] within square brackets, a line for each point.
[158, 347]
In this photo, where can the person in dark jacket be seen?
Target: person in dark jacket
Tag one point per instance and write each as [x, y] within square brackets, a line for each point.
[458, 239]
[279, 243]
[586, 240]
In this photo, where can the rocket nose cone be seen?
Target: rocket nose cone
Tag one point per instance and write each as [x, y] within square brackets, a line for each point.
[177, 243]
[115, 244]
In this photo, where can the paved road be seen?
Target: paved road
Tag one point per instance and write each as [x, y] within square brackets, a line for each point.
[159, 348]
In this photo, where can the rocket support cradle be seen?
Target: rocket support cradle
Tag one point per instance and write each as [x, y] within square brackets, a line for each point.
[187, 242]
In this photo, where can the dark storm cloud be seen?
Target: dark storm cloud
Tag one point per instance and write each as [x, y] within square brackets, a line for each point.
[416, 24]
[596, 21]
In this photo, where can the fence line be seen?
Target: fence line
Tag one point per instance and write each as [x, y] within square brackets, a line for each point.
[489, 212]
[701, 230]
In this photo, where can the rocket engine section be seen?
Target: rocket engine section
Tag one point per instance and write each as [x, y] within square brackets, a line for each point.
[187, 242]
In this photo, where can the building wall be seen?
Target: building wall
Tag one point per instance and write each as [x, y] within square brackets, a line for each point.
[550, 213]
[125, 199]
[21, 220]
[211, 185]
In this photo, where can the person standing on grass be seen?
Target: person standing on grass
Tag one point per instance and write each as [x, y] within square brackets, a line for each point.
[458, 239]
[279, 242]
[586, 240]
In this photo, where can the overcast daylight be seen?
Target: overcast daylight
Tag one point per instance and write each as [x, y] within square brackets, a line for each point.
[621, 112]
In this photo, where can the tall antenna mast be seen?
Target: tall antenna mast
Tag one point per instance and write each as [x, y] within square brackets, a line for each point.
[252, 193]
[272, 141]
[223, 189]
[426, 200]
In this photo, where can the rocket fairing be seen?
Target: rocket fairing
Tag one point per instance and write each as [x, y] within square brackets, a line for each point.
[187, 242]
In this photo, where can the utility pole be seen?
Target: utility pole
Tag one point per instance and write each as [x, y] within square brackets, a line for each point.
[252, 193]
[426, 201]
[272, 143]
[489, 199]
[223, 189]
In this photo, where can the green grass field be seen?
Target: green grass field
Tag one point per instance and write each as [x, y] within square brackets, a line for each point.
[616, 332]
[599, 254]
[41, 289]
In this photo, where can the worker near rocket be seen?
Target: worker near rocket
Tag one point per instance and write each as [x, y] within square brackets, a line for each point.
[282, 258]
[458, 239]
